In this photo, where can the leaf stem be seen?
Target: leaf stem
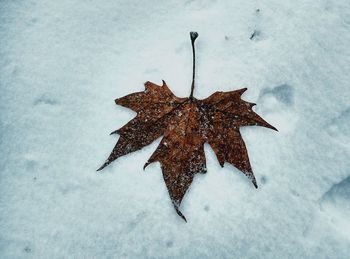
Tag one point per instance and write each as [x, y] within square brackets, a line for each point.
[194, 36]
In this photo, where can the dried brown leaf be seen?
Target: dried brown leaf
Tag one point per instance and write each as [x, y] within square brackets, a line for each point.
[186, 124]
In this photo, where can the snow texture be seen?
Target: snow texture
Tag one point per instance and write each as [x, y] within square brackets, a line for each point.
[62, 64]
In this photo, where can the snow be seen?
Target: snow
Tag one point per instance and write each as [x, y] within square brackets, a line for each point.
[64, 62]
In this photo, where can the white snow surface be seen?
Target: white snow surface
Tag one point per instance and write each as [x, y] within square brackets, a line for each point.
[62, 64]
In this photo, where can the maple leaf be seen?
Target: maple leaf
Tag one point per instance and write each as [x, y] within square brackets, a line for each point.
[186, 124]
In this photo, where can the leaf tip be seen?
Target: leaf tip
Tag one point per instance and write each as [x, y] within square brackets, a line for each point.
[176, 206]
[242, 90]
[181, 215]
[113, 132]
[102, 166]
[144, 167]
[118, 101]
[273, 128]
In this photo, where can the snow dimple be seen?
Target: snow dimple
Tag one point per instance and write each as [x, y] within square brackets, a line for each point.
[336, 204]
[279, 102]
[137, 220]
[339, 126]
[284, 93]
[169, 244]
[31, 165]
[27, 249]
[45, 100]
[263, 179]
[339, 196]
